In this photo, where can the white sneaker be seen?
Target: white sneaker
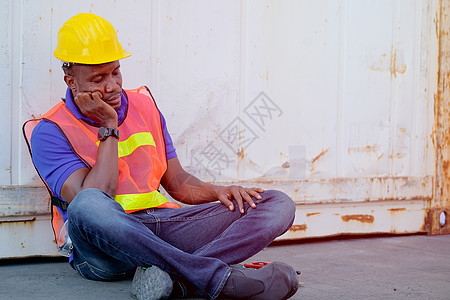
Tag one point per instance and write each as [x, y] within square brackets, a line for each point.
[151, 284]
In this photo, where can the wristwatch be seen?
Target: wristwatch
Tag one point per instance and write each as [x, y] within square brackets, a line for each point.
[104, 132]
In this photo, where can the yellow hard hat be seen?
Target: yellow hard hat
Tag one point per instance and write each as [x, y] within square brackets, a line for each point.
[88, 39]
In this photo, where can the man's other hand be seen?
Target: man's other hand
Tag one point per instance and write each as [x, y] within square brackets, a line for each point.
[188, 189]
[226, 194]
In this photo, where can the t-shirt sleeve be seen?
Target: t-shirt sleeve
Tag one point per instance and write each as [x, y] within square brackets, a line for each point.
[52, 156]
[170, 148]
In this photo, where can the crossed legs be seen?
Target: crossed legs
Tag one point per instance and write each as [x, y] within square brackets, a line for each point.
[195, 243]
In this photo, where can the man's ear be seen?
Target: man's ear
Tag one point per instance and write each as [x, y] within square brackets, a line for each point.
[70, 81]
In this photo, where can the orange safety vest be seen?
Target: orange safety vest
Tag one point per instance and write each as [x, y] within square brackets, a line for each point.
[141, 144]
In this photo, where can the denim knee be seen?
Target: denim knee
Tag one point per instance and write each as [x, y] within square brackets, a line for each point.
[84, 201]
[92, 206]
[282, 209]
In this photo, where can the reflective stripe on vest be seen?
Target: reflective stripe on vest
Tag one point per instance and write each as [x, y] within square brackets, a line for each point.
[141, 144]
[134, 202]
[136, 140]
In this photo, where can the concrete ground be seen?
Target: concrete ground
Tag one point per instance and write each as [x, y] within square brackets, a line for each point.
[387, 267]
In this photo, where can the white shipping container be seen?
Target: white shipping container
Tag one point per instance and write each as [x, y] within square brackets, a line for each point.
[341, 104]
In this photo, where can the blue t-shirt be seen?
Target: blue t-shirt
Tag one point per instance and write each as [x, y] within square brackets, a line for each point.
[53, 156]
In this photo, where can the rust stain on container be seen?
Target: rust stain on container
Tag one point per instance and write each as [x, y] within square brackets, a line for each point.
[28, 221]
[241, 153]
[446, 168]
[396, 209]
[397, 156]
[394, 66]
[300, 227]
[367, 149]
[315, 159]
[359, 218]
[312, 214]
[441, 133]
[319, 156]
[285, 165]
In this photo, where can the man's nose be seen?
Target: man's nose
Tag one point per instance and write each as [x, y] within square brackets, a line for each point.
[111, 85]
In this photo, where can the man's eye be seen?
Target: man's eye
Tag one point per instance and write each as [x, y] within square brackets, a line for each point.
[97, 79]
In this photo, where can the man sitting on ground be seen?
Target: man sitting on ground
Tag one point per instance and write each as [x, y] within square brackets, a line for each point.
[104, 152]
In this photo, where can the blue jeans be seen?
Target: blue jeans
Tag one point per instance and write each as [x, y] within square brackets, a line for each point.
[196, 243]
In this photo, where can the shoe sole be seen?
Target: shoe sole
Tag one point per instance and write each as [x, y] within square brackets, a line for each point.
[151, 284]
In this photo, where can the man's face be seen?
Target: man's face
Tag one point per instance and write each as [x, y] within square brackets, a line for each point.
[105, 78]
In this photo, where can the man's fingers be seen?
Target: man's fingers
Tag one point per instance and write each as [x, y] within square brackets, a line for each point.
[254, 192]
[258, 190]
[83, 100]
[246, 195]
[240, 194]
[81, 97]
[97, 96]
[225, 201]
[87, 97]
[238, 197]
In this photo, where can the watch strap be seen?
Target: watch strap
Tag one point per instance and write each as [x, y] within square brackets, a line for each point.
[105, 132]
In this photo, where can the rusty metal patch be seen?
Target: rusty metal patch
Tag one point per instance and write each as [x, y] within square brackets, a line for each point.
[359, 218]
[300, 227]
